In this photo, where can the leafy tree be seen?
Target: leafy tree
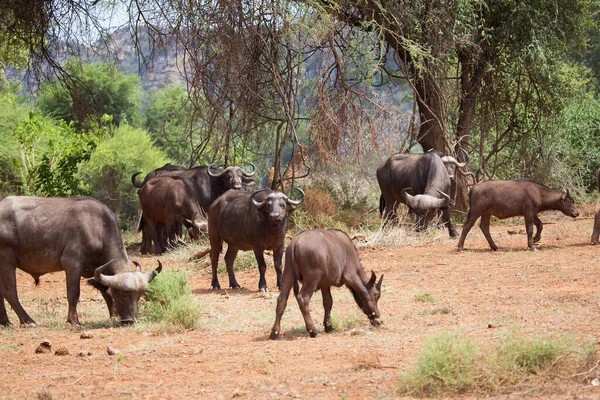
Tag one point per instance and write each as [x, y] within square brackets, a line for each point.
[50, 155]
[168, 119]
[12, 112]
[93, 90]
[125, 151]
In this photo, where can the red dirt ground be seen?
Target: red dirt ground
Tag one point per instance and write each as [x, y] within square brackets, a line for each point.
[486, 295]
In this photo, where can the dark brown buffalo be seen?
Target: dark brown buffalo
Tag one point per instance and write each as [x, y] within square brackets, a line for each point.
[322, 258]
[249, 221]
[167, 201]
[208, 184]
[505, 199]
[78, 235]
[422, 182]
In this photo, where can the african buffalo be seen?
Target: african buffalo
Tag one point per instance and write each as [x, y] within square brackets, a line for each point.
[208, 182]
[505, 199]
[167, 201]
[322, 258]
[79, 235]
[249, 221]
[422, 182]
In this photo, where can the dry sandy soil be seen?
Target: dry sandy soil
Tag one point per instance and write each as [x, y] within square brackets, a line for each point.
[486, 295]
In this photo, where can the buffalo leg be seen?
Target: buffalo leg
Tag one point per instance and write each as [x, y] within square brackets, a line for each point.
[229, 259]
[539, 226]
[8, 291]
[484, 225]
[303, 297]
[4, 321]
[215, 250]
[529, 229]
[282, 299]
[277, 258]
[73, 292]
[471, 218]
[446, 218]
[327, 305]
[262, 269]
[596, 231]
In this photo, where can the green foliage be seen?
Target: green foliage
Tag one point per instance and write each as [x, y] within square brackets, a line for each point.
[169, 299]
[344, 323]
[450, 364]
[12, 112]
[92, 91]
[51, 154]
[125, 150]
[167, 119]
[446, 366]
[532, 355]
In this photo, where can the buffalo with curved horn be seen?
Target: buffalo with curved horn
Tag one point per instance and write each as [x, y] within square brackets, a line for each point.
[42, 235]
[246, 221]
[427, 176]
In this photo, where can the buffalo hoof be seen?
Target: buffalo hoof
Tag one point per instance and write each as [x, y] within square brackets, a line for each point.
[6, 324]
[275, 335]
[218, 287]
[263, 290]
[126, 322]
[593, 243]
[314, 334]
[28, 324]
[328, 328]
[236, 287]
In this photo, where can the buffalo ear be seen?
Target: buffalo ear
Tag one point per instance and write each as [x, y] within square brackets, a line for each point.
[379, 283]
[372, 280]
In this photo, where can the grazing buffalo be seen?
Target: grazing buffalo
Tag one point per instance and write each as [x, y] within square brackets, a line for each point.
[505, 199]
[167, 201]
[78, 235]
[422, 182]
[249, 221]
[322, 258]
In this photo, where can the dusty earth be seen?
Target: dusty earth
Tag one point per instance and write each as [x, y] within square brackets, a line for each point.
[485, 295]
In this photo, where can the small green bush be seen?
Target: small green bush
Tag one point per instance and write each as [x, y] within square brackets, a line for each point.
[169, 299]
[531, 355]
[445, 366]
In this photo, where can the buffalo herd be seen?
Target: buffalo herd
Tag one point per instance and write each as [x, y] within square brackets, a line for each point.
[81, 236]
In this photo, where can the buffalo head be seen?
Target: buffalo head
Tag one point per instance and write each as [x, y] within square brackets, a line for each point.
[567, 205]
[276, 205]
[233, 177]
[374, 289]
[126, 288]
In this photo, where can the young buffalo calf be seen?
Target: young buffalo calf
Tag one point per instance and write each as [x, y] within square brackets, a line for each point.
[505, 199]
[322, 258]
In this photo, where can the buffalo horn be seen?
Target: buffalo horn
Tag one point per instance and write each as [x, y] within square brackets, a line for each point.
[138, 267]
[258, 204]
[213, 174]
[136, 183]
[99, 276]
[423, 202]
[296, 202]
[249, 174]
[152, 275]
[450, 159]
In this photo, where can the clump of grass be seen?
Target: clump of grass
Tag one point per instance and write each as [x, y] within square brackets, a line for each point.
[169, 300]
[425, 298]
[446, 366]
[450, 364]
[440, 311]
[344, 323]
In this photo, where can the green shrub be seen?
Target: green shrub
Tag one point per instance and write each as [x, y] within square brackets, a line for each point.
[445, 366]
[169, 299]
[531, 355]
